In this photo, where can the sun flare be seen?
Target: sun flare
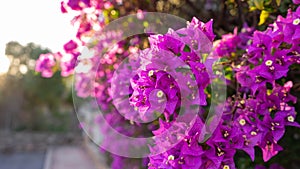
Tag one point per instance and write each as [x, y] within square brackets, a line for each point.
[4, 64]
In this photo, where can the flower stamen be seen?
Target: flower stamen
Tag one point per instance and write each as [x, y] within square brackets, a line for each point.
[171, 157]
[253, 133]
[291, 119]
[226, 134]
[226, 167]
[150, 73]
[242, 122]
[160, 94]
[269, 62]
[296, 21]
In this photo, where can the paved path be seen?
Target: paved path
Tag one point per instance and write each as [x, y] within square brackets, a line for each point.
[68, 158]
[22, 160]
[63, 157]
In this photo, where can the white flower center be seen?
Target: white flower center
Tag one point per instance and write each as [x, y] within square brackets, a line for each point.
[226, 134]
[226, 167]
[150, 73]
[291, 119]
[296, 21]
[242, 122]
[242, 101]
[269, 62]
[160, 94]
[171, 157]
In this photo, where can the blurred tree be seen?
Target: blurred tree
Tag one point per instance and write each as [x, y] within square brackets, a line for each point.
[29, 101]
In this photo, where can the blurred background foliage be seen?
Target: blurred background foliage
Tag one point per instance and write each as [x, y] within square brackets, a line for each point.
[29, 101]
[227, 14]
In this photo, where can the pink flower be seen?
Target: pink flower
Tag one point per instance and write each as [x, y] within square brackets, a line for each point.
[44, 64]
[269, 150]
[296, 2]
[70, 46]
[67, 64]
[140, 14]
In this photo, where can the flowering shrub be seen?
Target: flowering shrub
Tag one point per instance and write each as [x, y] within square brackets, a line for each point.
[255, 62]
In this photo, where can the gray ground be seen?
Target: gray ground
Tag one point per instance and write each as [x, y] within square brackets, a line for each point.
[59, 157]
[26, 150]
[28, 160]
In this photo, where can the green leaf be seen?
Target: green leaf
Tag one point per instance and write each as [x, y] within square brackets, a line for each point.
[181, 35]
[183, 69]
[206, 137]
[194, 106]
[268, 2]
[263, 17]
[259, 4]
[228, 76]
[278, 2]
[187, 48]
[252, 8]
[204, 56]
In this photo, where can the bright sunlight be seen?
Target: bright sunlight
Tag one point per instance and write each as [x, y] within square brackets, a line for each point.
[4, 64]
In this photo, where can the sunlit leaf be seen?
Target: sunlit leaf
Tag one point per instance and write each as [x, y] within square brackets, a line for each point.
[267, 2]
[259, 4]
[263, 17]
[278, 2]
[252, 8]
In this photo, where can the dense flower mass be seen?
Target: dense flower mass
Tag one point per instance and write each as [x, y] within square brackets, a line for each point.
[229, 43]
[256, 115]
[260, 113]
[45, 65]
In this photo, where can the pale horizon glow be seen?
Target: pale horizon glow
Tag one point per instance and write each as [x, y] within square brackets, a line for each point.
[40, 22]
[4, 65]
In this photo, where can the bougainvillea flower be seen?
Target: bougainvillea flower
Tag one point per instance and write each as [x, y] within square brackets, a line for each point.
[207, 28]
[256, 115]
[269, 147]
[70, 46]
[296, 1]
[78, 4]
[45, 64]
[68, 63]
[274, 126]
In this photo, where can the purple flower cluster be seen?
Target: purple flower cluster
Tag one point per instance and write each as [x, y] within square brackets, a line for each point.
[189, 43]
[78, 4]
[255, 117]
[147, 81]
[45, 65]
[258, 114]
[230, 43]
[66, 61]
[264, 104]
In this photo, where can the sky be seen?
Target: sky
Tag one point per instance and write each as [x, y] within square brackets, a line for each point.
[37, 21]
